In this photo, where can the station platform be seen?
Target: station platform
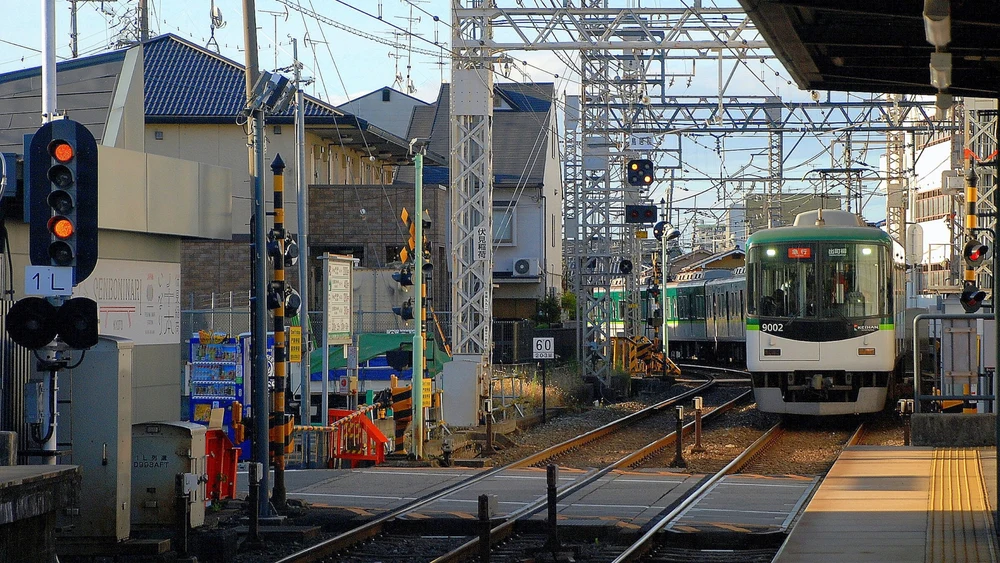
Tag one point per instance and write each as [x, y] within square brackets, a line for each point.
[915, 504]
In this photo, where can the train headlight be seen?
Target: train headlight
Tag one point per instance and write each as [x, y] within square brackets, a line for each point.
[771, 253]
[866, 251]
[866, 351]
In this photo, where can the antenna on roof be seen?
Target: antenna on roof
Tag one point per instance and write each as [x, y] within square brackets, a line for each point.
[215, 14]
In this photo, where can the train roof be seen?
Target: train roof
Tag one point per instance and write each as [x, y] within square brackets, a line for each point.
[819, 233]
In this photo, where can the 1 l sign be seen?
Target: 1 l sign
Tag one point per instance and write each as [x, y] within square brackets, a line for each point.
[48, 281]
[543, 348]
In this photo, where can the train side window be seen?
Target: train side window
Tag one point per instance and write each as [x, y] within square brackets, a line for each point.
[742, 309]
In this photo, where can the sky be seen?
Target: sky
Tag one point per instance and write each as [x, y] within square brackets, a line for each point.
[354, 53]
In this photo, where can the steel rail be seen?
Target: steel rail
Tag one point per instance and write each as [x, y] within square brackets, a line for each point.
[505, 530]
[647, 542]
[377, 526]
[613, 426]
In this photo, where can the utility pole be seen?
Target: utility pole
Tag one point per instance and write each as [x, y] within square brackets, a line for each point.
[302, 199]
[258, 395]
[417, 380]
[73, 36]
[144, 22]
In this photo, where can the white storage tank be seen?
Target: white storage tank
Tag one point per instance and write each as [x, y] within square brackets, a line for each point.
[160, 451]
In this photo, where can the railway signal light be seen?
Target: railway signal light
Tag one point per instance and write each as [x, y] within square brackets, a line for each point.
[625, 267]
[640, 213]
[975, 253]
[639, 172]
[34, 322]
[62, 199]
[972, 298]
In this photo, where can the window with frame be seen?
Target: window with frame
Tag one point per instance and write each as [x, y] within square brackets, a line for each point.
[504, 220]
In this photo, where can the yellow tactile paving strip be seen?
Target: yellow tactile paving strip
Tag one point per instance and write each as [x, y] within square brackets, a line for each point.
[958, 524]
[915, 504]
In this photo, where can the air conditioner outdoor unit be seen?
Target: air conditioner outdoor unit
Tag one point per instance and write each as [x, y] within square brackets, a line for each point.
[525, 267]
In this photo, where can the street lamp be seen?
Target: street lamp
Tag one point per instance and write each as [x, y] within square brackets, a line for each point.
[664, 232]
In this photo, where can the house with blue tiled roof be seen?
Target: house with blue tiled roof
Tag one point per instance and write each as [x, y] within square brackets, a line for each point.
[191, 108]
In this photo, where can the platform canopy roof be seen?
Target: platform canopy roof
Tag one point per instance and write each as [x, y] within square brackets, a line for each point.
[879, 45]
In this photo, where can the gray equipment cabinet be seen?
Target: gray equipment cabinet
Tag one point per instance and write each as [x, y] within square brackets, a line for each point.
[161, 451]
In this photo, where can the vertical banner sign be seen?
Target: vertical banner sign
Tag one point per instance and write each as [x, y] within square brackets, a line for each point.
[340, 299]
[483, 242]
[295, 344]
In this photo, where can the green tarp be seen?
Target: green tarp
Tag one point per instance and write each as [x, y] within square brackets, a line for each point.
[371, 345]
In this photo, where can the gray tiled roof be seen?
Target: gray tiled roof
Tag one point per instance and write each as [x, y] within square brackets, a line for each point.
[520, 133]
[84, 86]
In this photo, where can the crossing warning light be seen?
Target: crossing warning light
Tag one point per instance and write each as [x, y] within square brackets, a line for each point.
[972, 298]
[975, 253]
[33, 322]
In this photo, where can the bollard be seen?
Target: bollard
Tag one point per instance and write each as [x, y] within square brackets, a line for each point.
[488, 408]
[181, 508]
[679, 456]
[484, 528]
[904, 408]
[446, 451]
[697, 449]
[551, 480]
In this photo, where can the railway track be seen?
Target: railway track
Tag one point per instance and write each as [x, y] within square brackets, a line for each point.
[651, 546]
[338, 547]
[511, 538]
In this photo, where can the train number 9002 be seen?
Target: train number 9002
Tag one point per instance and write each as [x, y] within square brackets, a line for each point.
[772, 327]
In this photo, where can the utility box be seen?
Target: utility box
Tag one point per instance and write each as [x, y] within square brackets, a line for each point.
[160, 451]
[95, 417]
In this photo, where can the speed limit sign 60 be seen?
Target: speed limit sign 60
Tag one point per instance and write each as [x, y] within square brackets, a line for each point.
[543, 348]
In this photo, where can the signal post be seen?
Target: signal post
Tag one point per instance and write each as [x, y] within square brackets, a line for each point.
[62, 196]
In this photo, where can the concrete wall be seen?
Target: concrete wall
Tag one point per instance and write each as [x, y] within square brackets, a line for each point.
[225, 145]
[393, 115]
[947, 430]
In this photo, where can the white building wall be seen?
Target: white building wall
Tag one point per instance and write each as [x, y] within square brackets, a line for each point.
[393, 115]
[226, 145]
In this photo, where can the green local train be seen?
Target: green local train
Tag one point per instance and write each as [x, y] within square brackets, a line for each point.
[825, 306]
[816, 315]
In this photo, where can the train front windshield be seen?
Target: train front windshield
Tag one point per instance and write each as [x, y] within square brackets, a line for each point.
[821, 280]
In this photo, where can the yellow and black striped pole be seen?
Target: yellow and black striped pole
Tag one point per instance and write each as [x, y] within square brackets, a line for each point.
[277, 422]
[971, 221]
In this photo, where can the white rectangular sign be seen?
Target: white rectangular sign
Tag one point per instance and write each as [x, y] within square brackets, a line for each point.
[641, 142]
[136, 300]
[543, 348]
[47, 281]
[339, 298]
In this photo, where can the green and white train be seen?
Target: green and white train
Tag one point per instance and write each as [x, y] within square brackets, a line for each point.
[817, 315]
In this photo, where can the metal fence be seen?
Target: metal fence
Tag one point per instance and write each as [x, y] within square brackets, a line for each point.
[512, 341]
[229, 313]
[507, 389]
